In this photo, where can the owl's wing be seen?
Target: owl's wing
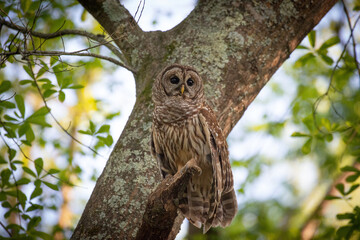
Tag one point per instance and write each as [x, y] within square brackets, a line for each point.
[222, 174]
[158, 154]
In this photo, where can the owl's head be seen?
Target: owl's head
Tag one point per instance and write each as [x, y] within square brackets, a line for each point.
[179, 83]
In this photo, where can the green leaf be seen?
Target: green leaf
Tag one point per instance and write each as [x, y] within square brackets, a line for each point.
[329, 197]
[112, 115]
[9, 118]
[302, 61]
[87, 132]
[2, 160]
[299, 134]
[24, 82]
[18, 162]
[301, 47]
[7, 104]
[37, 183]
[2, 196]
[340, 187]
[329, 137]
[53, 60]
[92, 127]
[345, 216]
[10, 133]
[45, 80]
[21, 198]
[109, 140]
[349, 169]
[327, 59]
[306, 148]
[5, 176]
[20, 104]
[312, 38]
[29, 71]
[40, 112]
[29, 171]
[344, 232]
[39, 163]
[53, 171]
[352, 188]
[23, 128]
[104, 129]
[49, 92]
[52, 186]
[34, 207]
[22, 181]
[330, 42]
[41, 235]
[37, 192]
[11, 153]
[25, 5]
[75, 86]
[61, 96]
[43, 70]
[4, 86]
[352, 178]
[83, 15]
[38, 117]
[6, 205]
[30, 136]
[33, 222]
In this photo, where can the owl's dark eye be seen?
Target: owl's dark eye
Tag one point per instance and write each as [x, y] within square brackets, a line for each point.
[174, 80]
[190, 82]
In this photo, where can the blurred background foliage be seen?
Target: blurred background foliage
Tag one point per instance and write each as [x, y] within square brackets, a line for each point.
[295, 153]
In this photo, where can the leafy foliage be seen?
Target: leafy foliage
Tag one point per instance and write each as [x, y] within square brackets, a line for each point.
[40, 150]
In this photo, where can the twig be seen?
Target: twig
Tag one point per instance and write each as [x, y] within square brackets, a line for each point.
[60, 33]
[352, 36]
[8, 98]
[319, 99]
[5, 229]
[137, 10]
[60, 53]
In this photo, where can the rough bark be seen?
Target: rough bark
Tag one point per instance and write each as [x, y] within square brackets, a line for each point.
[161, 206]
[235, 45]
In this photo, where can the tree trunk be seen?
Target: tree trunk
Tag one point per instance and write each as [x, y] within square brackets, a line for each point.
[235, 45]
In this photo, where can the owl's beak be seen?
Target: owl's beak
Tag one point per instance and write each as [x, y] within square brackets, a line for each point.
[182, 89]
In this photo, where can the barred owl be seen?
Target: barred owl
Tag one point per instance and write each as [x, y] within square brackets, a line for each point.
[185, 127]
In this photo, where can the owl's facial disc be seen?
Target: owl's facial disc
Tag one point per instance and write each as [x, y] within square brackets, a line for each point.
[184, 83]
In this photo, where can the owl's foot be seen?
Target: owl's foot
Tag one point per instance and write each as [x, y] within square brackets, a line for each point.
[192, 167]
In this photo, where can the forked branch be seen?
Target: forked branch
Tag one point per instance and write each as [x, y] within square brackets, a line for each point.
[161, 209]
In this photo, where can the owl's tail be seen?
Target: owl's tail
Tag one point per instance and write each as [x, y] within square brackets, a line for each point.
[202, 210]
[196, 206]
[224, 213]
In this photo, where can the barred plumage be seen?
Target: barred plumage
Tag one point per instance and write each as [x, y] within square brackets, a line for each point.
[185, 127]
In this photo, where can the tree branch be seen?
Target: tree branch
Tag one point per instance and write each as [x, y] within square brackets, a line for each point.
[161, 211]
[60, 33]
[119, 24]
[61, 53]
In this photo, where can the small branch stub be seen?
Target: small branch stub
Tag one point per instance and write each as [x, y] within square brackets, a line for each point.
[161, 208]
